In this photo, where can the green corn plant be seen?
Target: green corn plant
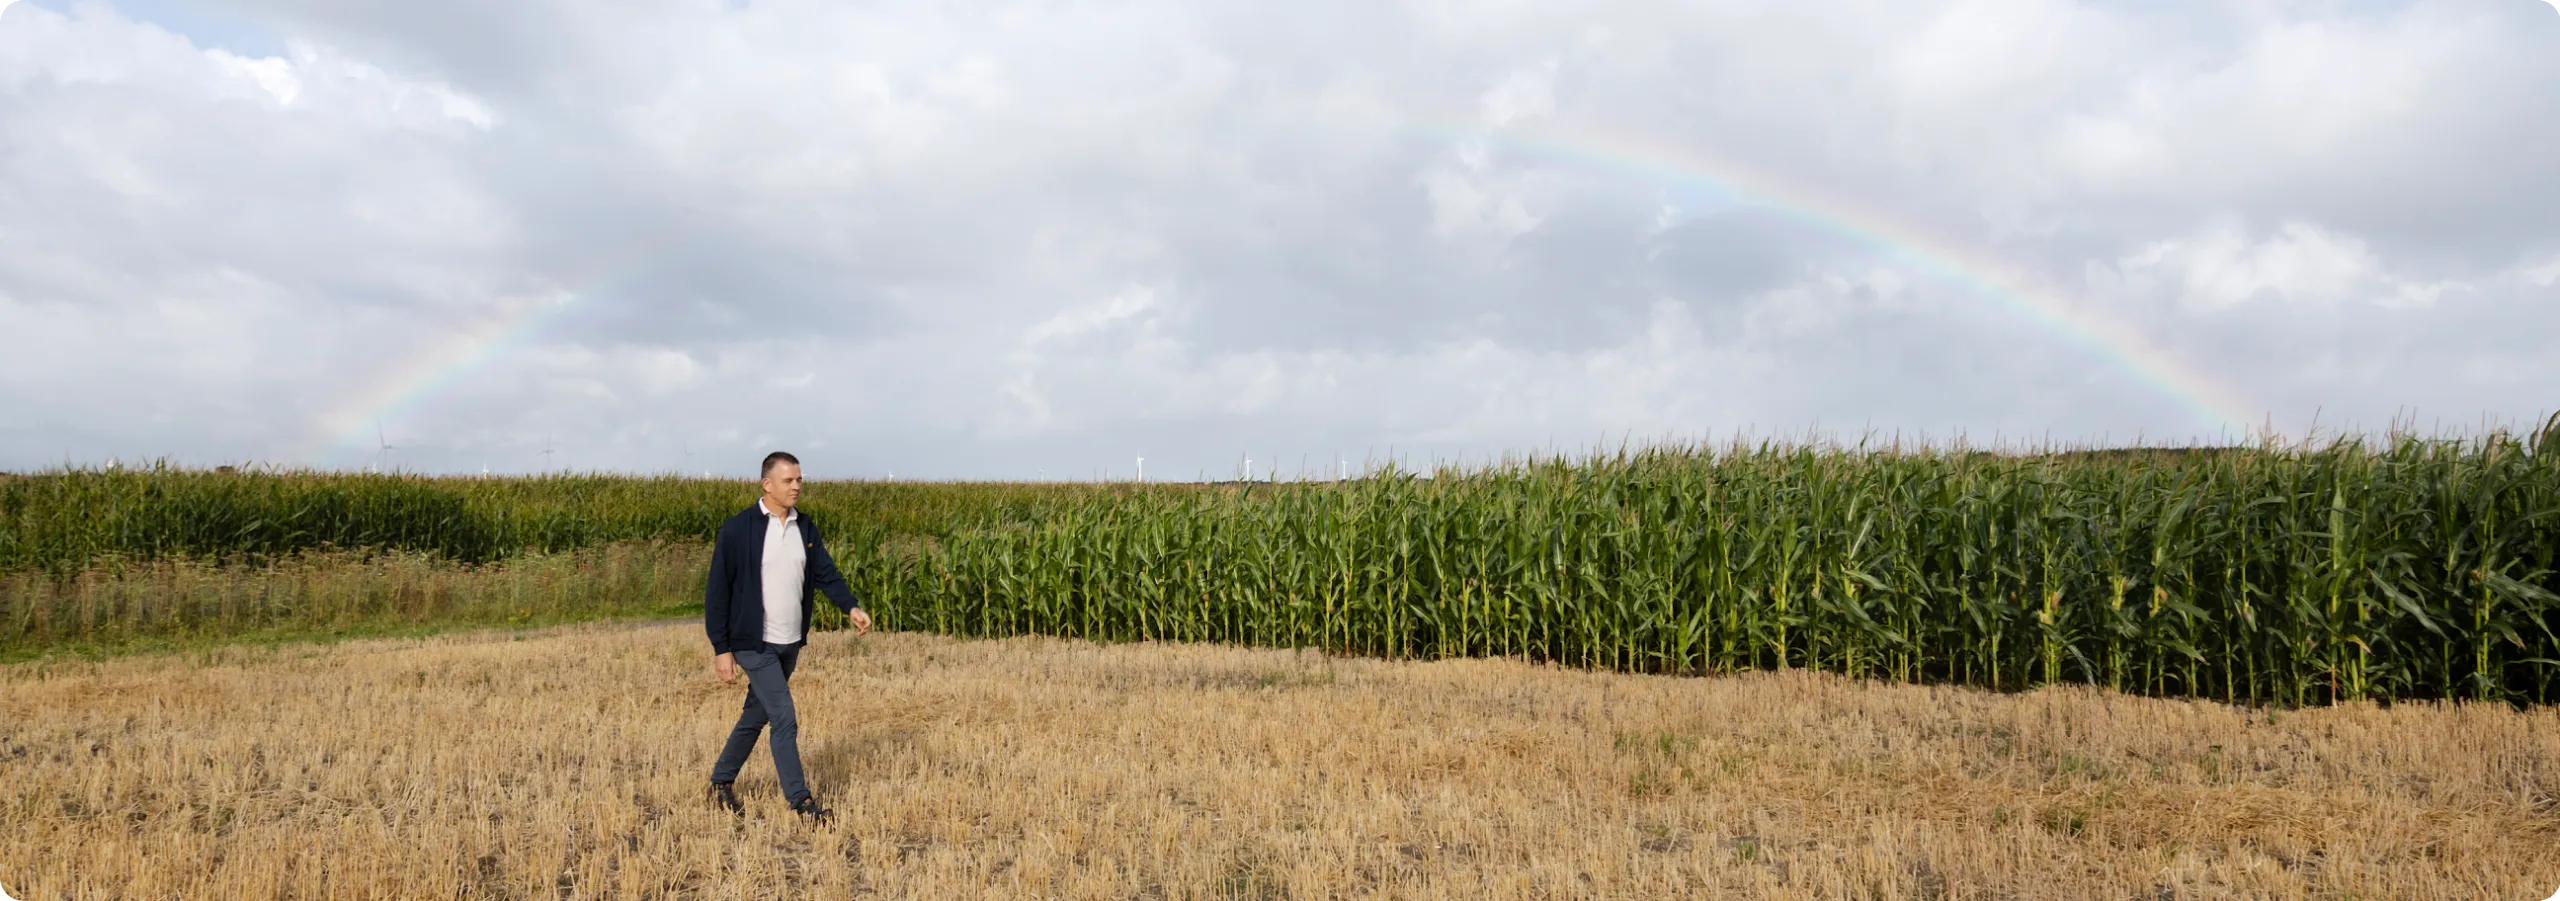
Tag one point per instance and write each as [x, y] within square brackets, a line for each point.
[2396, 567]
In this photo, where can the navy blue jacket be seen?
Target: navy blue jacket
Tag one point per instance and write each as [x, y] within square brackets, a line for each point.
[733, 597]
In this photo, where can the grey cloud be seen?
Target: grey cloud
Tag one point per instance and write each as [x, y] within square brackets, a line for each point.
[492, 46]
[1732, 255]
[994, 239]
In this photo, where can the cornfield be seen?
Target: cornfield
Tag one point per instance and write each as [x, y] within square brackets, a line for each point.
[2403, 569]
[62, 521]
[2397, 569]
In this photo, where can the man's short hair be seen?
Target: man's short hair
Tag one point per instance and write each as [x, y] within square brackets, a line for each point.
[776, 457]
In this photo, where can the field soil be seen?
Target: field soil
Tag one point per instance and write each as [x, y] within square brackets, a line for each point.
[571, 763]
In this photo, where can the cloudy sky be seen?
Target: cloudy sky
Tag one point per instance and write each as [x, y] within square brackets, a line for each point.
[1020, 238]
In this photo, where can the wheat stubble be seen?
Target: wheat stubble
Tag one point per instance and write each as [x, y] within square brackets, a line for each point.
[569, 763]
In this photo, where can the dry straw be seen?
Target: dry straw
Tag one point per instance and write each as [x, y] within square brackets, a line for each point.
[570, 765]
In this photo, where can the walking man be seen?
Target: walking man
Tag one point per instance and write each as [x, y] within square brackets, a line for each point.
[766, 566]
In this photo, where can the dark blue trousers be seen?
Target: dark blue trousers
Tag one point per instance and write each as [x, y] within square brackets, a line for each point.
[768, 670]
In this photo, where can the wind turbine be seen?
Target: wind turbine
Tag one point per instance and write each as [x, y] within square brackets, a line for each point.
[1142, 468]
[384, 446]
[546, 454]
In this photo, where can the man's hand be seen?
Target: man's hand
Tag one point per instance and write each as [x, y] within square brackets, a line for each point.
[861, 622]
[726, 666]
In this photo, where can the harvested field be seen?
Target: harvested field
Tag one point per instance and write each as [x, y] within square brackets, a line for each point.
[569, 763]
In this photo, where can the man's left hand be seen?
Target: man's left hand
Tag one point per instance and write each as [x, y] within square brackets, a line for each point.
[861, 621]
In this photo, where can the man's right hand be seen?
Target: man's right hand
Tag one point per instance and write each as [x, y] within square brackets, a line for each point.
[726, 665]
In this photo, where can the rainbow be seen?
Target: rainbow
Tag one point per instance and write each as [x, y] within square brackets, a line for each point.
[351, 427]
[2018, 291]
[503, 328]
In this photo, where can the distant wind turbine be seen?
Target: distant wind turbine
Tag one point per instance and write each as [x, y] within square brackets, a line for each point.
[384, 447]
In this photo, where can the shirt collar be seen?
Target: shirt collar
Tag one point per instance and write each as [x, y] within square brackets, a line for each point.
[787, 518]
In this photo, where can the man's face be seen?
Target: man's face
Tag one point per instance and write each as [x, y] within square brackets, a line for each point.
[783, 484]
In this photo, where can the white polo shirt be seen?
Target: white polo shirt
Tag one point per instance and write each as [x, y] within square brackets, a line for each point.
[786, 563]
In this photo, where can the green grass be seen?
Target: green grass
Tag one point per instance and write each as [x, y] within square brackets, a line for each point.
[119, 605]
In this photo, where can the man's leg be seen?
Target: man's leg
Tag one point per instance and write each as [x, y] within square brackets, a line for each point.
[785, 719]
[751, 721]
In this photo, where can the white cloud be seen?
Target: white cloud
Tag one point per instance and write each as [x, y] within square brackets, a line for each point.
[2295, 263]
[1468, 202]
[271, 74]
[1128, 303]
[2299, 262]
[1524, 93]
[2545, 275]
[996, 237]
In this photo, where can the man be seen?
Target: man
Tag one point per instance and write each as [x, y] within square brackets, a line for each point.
[765, 568]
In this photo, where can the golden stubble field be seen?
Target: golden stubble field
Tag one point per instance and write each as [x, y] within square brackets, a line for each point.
[570, 763]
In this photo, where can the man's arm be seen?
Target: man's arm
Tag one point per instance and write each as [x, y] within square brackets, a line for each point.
[715, 594]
